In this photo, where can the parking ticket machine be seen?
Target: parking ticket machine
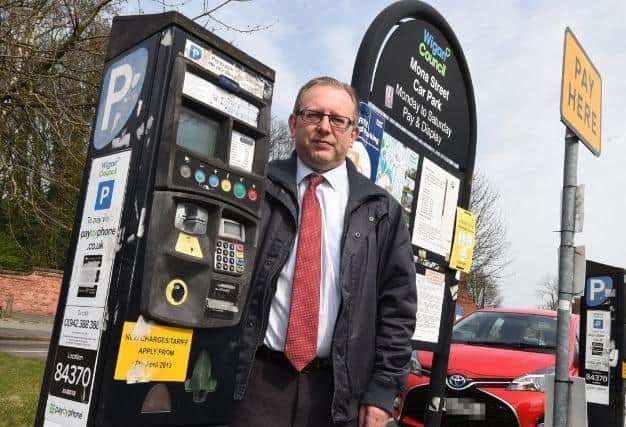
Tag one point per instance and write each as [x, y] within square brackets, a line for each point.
[203, 221]
[165, 235]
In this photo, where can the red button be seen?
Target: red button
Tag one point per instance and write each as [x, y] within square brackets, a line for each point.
[252, 195]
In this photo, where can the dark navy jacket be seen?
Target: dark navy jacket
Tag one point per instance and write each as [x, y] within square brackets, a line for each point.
[370, 349]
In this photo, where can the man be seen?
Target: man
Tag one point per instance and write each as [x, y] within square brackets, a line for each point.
[325, 338]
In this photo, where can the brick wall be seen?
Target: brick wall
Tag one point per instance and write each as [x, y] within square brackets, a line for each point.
[34, 293]
[38, 292]
[463, 298]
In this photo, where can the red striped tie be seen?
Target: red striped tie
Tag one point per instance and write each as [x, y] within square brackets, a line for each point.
[301, 341]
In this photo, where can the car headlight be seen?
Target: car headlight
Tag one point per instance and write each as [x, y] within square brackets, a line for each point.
[535, 381]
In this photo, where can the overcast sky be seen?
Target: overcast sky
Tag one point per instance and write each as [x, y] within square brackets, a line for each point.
[514, 51]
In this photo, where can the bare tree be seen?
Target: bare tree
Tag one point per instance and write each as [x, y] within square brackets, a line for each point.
[51, 57]
[51, 60]
[208, 16]
[281, 143]
[490, 259]
[548, 292]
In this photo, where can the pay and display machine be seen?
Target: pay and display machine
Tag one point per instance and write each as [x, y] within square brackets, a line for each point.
[602, 362]
[165, 234]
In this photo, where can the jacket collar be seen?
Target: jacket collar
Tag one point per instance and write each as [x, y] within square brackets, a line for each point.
[283, 173]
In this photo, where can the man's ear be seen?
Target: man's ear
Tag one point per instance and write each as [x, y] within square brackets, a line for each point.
[354, 133]
[292, 124]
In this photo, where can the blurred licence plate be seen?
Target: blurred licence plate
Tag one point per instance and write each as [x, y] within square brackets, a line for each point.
[465, 406]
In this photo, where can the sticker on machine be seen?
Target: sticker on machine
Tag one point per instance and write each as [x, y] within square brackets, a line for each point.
[215, 63]
[241, 151]
[71, 386]
[214, 96]
[597, 367]
[160, 353]
[81, 327]
[99, 227]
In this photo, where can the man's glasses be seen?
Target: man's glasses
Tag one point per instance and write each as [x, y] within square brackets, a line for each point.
[315, 117]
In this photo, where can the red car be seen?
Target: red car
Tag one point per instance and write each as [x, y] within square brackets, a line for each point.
[496, 373]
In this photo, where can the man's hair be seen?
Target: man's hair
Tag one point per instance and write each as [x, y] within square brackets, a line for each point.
[328, 81]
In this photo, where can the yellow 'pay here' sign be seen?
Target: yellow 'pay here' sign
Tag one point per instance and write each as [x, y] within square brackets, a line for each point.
[581, 94]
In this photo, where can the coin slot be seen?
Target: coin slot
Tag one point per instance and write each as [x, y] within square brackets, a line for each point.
[176, 292]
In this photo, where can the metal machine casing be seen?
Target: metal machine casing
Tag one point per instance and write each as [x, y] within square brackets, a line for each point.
[147, 327]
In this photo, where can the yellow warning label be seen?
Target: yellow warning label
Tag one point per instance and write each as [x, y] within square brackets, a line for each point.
[188, 245]
[161, 354]
[581, 94]
[464, 241]
[624, 370]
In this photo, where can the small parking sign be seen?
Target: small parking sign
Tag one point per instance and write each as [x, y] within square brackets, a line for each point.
[598, 290]
[195, 52]
[104, 195]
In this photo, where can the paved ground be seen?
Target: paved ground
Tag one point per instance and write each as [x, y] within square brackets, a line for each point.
[26, 335]
[26, 327]
[25, 348]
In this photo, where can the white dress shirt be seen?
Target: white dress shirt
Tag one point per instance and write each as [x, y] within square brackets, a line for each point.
[332, 194]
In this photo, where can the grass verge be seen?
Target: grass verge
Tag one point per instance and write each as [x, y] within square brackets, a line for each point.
[20, 384]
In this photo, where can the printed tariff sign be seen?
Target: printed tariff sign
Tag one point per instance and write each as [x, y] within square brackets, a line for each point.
[581, 94]
[436, 206]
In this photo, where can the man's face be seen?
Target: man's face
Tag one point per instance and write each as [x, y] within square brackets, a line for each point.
[321, 146]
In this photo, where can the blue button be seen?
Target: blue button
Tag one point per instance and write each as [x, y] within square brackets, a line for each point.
[214, 181]
[200, 176]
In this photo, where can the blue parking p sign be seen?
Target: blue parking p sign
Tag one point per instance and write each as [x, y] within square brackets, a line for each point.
[104, 195]
[597, 290]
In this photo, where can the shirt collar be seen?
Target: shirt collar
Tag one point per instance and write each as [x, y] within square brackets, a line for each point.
[337, 178]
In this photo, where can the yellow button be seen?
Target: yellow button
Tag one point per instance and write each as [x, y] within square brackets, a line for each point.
[226, 185]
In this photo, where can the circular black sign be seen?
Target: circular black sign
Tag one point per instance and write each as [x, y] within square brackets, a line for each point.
[418, 84]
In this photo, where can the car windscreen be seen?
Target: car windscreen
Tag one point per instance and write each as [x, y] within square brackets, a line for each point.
[524, 331]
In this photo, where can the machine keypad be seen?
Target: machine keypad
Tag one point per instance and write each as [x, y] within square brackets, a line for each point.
[229, 257]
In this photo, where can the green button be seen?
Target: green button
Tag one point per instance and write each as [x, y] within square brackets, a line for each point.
[239, 190]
